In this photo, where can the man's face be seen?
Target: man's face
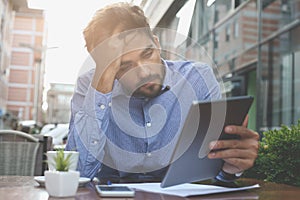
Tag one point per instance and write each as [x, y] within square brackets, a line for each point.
[141, 71]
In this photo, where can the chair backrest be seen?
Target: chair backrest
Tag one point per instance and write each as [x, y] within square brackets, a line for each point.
[18, 152]
[45, 145]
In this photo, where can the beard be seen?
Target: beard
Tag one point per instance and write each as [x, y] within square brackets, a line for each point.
[149, 87]
[148, 91]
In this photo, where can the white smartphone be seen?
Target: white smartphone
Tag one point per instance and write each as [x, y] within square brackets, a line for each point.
[114, 191]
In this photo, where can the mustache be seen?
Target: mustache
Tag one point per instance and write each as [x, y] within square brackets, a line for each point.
[148, 79]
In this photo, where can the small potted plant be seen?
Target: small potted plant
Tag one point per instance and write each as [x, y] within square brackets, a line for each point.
[62, 182]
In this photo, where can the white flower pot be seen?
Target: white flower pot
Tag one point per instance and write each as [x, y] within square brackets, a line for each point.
[62, 184]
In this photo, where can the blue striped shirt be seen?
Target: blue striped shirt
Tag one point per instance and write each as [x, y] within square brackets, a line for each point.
[125, 138]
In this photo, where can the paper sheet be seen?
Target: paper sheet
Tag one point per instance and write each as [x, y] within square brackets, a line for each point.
[185, 190]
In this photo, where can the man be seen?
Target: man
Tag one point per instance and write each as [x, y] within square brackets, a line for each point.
[127, 113]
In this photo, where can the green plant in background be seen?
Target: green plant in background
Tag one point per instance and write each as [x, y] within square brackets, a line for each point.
[62, 163]
[279, 156]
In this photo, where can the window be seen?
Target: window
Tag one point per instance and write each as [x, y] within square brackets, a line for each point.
[236, 29]
[281, 93]
[286, 88]
[1, 58]
[237, 3]
[296, 113]
[216, 40]
[222, 9]
[228, 32]
[216, 16]
[184, 15]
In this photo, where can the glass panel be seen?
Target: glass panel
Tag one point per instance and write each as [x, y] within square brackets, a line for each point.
[185, 17]
[277, 14]
[228, 33]
[222, 9]
[203, 20]
[243, 38]
[251, 90]
[297, 86]
[294, 6]
[264, 88]
[216, 42]
[295, 45]
[237, 3]
[287, 89]
[280, 82]
[236, 29]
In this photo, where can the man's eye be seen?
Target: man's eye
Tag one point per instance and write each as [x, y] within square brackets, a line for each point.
[148, 53]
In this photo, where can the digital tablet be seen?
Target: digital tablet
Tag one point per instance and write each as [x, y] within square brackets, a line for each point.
[205, 122]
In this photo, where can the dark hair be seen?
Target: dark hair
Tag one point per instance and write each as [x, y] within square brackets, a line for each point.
[118, 16]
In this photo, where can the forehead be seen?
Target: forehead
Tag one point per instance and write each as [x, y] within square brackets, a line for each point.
[136, 40]
[121, 43]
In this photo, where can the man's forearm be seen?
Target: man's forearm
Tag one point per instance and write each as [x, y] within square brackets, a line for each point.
[87, 129]
[104, 84]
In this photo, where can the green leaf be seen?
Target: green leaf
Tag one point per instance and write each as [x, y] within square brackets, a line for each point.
[278, 157]
[62, 163]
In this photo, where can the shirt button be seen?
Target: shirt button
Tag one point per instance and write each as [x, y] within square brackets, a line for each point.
[109, 104]
[102, 107]
[95, 142]
[148, 124]
[149, 154]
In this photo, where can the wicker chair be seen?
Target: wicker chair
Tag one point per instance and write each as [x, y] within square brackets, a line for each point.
[45, 145]
[18, 152]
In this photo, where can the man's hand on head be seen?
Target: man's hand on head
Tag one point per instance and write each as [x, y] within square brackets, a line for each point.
[107, 56]
[240, 154]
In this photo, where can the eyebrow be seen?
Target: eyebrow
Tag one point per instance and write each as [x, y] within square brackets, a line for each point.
[150, 46]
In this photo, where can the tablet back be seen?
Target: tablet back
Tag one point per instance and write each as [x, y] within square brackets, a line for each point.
[189, 160]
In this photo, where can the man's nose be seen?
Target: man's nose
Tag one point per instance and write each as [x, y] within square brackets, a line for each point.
[144, 71]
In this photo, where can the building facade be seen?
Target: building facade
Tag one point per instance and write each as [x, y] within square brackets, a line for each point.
[8, 8]
[25, 81]
[6, 16]
[254, 45]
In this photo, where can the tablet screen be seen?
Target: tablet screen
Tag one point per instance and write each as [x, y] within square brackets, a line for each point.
[189, 161]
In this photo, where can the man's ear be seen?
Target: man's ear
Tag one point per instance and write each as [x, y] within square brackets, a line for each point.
[156, 41]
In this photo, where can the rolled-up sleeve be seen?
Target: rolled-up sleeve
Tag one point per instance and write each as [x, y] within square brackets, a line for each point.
[87, 128]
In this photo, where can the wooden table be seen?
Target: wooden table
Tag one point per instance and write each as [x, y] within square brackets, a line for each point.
[23, 187]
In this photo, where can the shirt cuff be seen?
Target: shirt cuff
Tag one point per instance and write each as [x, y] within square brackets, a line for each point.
[96, 102]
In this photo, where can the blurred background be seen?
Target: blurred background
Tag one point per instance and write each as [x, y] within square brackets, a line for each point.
[254, 44]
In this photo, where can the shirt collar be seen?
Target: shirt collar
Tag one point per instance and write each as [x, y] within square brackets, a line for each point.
[167, 79]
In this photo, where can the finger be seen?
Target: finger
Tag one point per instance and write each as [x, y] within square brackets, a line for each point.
[233, 153]
[242, 131]
[235, 144]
